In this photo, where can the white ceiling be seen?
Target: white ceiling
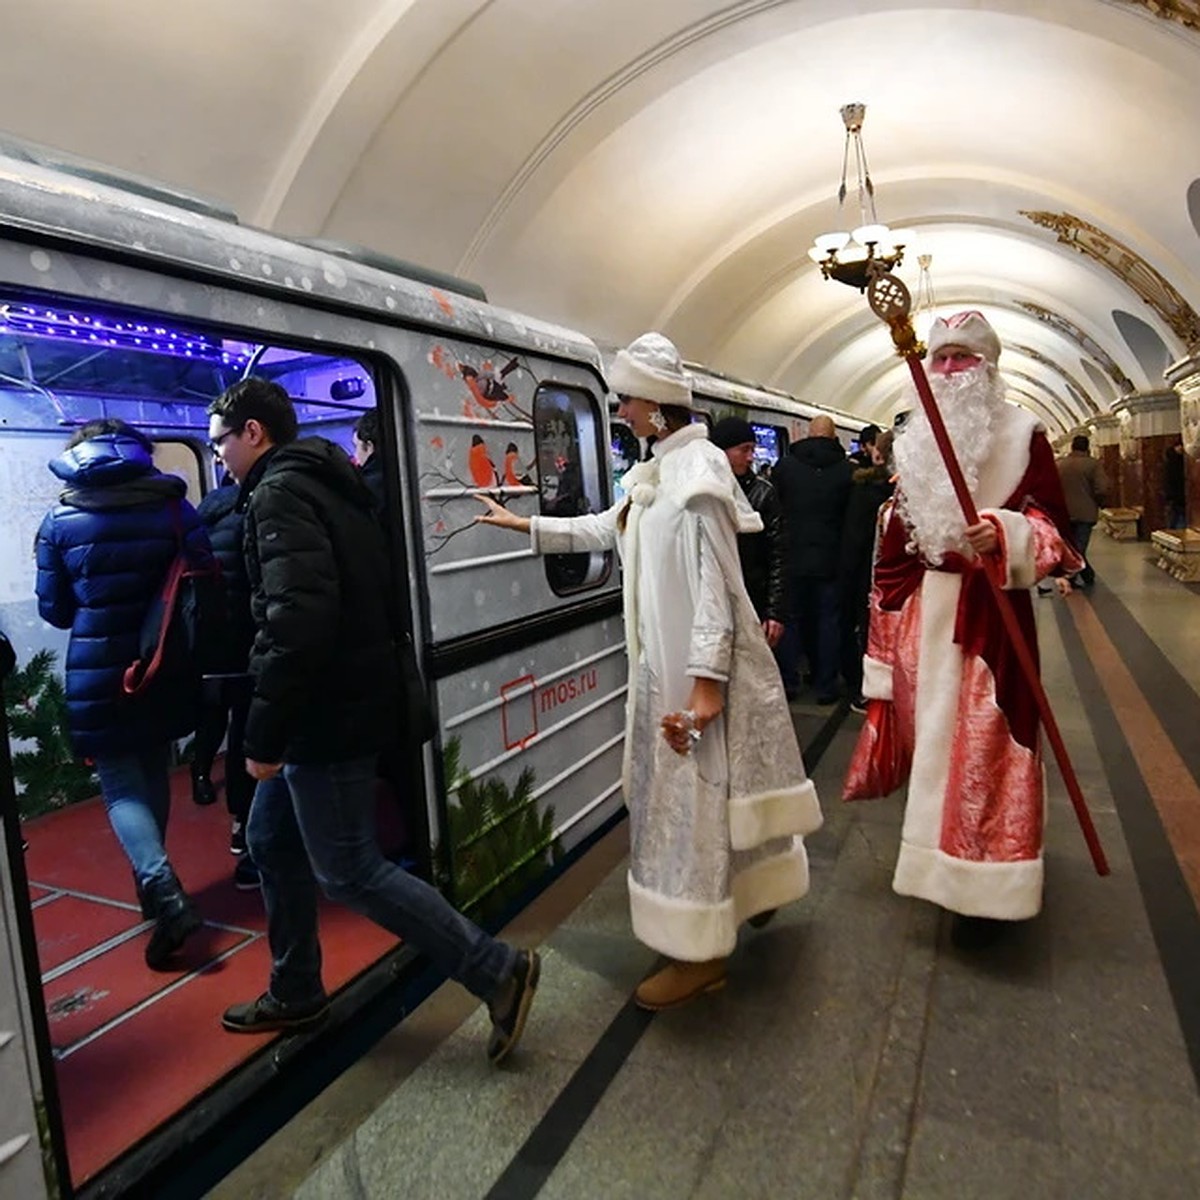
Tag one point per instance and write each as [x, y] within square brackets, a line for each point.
[618, 165]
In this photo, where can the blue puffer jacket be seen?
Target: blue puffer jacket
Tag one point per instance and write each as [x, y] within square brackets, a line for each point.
[102, 557]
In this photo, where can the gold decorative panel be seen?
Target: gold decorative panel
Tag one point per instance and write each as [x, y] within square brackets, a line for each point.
[1087, 344]
[1132, 270]
[1186, 12]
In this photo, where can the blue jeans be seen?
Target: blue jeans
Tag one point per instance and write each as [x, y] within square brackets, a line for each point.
[315, 824]
[137, 795]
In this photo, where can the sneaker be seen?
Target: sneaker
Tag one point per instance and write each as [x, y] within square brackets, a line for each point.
[237, 837]
[245, 875]
[268, 1015]
[859, 705]
[509, 1012]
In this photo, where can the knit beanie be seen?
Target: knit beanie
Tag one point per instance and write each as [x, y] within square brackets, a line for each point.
[650, 368]
[731, 431]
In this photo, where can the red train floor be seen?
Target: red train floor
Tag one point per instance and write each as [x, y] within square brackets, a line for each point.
[133, 1047]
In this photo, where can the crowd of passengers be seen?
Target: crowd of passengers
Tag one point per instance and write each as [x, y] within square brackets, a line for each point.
[731, 581]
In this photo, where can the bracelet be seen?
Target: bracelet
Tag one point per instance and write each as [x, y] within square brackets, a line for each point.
[689, 718]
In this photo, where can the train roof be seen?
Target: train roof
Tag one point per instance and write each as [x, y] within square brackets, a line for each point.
[71, 202]
[716, 386]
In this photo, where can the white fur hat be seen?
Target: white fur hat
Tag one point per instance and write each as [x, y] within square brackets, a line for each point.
[969, 330]
[650, 369]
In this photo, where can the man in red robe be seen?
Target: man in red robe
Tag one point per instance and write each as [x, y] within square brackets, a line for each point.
[937, 653]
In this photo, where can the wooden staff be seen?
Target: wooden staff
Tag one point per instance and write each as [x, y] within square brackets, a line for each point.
[891, 302]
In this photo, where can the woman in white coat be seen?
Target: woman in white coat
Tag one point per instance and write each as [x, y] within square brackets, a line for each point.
[716, 790]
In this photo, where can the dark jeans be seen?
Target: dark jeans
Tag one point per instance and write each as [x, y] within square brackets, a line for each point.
[813, 626]
[226, 706]
[1081, 532]
[315, 824]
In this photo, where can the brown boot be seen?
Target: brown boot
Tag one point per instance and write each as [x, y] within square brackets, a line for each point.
[679, 982]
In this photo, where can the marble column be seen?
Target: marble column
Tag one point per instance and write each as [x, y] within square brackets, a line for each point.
[1148, 424]
[1184, 377]
[1105, 435]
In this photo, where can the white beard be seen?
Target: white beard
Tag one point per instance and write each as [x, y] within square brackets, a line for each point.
[969, 402]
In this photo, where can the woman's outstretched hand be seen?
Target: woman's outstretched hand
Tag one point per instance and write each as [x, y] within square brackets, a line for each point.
[497, 514]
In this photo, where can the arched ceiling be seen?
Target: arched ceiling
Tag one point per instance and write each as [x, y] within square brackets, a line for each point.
[616, 165]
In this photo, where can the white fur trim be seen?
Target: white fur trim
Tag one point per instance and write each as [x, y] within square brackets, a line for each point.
[754, 820]
[771, 882]
[1008, 459]
[694, 932]
[1006, 891]
[682, 929]
[1020, 553]
[877, 679]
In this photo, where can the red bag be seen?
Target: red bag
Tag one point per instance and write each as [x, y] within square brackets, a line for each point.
[882, 758]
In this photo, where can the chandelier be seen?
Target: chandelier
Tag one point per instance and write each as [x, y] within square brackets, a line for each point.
[855, 258]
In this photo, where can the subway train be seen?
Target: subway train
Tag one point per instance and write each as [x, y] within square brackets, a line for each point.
[122, 298]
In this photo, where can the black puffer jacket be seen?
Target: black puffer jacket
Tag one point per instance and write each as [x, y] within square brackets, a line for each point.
[813, 480]
[870, 488]
[764, 554]
[325, 680]
[219, 514]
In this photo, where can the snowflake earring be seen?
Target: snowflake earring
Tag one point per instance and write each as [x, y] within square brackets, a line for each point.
[656, 419]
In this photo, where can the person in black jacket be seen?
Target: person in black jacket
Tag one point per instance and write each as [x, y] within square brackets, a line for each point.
[102, 557]
[365, 439]
[326, 702]
[764, 554]
[813, 481]
[226, 700]
[870, 488]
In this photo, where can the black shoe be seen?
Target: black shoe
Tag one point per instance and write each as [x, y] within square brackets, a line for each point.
[237, 837]
[763, 919]
[268, 1015]
[510, 1010]
[203, 791]
[175, 920]
[245, 875]
[144, 901]
[859, 705]
[976, 933]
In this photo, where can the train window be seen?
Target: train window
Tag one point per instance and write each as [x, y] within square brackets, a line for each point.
[770, 441]
[567, 434]
[626, 451]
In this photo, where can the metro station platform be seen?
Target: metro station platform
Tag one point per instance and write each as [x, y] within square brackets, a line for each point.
[855, 1052]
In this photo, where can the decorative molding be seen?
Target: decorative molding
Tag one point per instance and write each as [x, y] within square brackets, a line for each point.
[1128, 267]
[1184, 12]
[1078, 394]
[1146, 414]
[1087, 344]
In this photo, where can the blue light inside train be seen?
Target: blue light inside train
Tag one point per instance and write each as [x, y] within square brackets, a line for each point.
[31, 320]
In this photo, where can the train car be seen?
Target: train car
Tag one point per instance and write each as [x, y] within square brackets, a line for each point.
[120, 298]
[777, 418]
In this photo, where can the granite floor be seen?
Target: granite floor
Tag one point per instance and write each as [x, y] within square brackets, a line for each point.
[855, 1052]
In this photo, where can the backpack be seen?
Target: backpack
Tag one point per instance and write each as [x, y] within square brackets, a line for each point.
[185, 632]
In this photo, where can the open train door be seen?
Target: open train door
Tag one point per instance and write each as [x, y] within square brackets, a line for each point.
[32, 1157]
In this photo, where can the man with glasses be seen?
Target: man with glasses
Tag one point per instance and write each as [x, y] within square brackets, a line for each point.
[325, 704]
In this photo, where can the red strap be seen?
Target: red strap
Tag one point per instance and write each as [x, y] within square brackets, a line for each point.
[140, 674]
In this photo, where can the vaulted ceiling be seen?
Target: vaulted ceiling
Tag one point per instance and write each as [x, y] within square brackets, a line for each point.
[619, 165]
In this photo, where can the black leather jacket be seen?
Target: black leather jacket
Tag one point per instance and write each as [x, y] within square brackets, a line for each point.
[763, 554]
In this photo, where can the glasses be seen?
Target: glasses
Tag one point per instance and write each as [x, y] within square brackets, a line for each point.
[215, 444]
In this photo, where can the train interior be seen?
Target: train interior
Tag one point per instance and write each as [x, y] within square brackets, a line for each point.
[133, 1047]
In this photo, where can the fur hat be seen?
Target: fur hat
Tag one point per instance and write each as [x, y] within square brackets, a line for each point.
[650, 369]
[731, 431]
[969, 330]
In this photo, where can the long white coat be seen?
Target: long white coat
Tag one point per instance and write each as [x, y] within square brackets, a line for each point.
[715, 834]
